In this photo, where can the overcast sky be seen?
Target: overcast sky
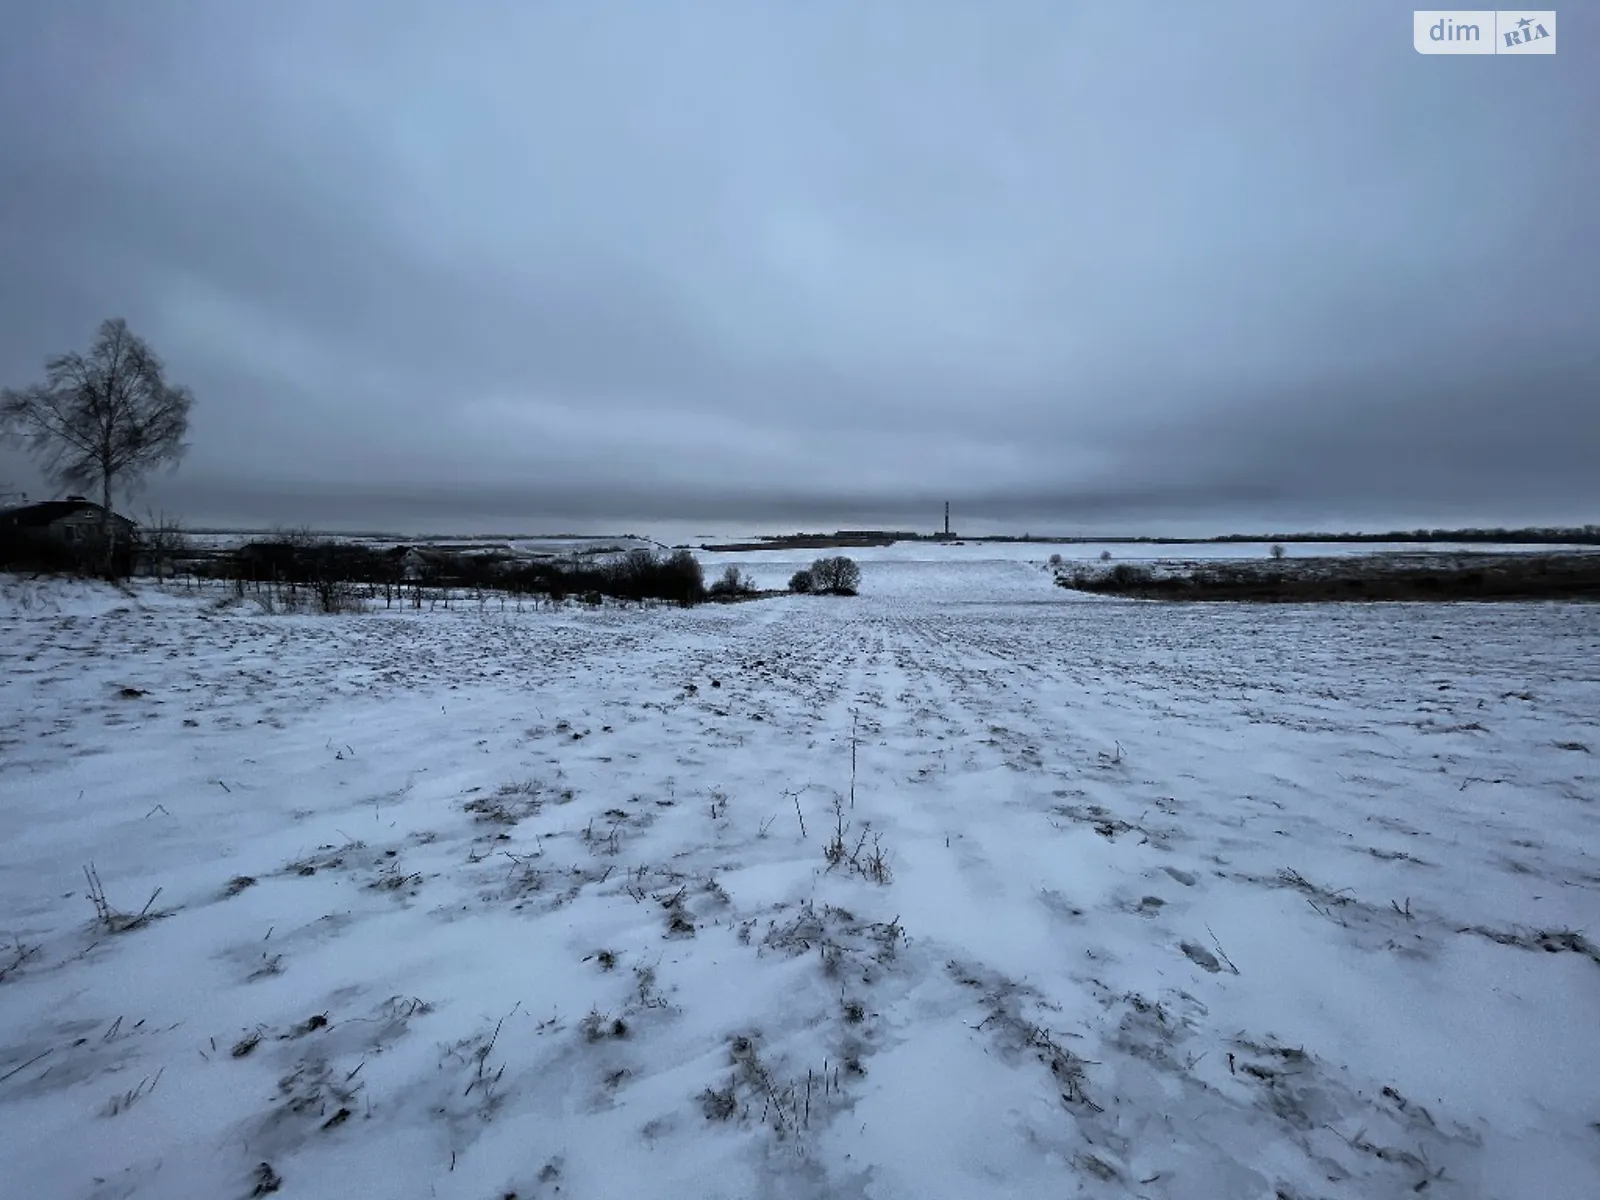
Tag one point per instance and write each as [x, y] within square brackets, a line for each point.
[486, 266]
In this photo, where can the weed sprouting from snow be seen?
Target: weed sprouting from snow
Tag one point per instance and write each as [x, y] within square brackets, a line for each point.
[719, 804]
[1098, 818]
[599, 1027]
[861, 851]
[393, 879]
[266, 1180]
[122, 1101]
[787, 1105]
[1322, 900]
[1016, 1034]
[510, 803]
[270, 965]
[846, 947]
[720, 1104]
[314, 1096]
[111, 920]
[679, 922]
[327, 858]
[1551, 941]
[16, 957]
[646, 992]
[481, 1097]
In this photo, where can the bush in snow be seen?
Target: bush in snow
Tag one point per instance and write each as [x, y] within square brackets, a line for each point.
[732, 584]
[800, 582]
[836, 576]
[1127, 575]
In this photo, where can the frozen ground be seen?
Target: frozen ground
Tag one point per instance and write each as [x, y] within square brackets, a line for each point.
[1172, 902]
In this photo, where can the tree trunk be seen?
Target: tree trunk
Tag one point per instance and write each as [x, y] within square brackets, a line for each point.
[105, 526]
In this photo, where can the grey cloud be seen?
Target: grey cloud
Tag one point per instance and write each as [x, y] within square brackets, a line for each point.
[754, 264]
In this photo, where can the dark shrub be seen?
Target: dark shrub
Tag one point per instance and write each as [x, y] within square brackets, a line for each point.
[800, 582]
[27, 550]
[308, 560]
[836, 576]
[682, 580]
[732, 584]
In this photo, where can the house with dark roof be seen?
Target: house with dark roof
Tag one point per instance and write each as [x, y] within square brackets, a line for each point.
[74, 521]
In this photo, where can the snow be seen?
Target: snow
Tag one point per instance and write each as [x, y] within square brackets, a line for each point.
[1175, 902]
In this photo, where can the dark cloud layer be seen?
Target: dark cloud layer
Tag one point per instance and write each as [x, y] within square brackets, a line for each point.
[518, 265]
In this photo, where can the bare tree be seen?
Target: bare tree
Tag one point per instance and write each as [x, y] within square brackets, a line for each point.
[733, 583]
[164, 543]
[100, 420]
[837, 576]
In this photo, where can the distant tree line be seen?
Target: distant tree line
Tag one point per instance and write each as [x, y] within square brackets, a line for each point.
[1543, 535]
[305, 561]
[1576, 535]
[1579, 535]
[1516, 575]
[300, 571]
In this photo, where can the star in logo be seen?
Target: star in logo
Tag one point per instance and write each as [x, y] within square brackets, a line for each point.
[1525, 22]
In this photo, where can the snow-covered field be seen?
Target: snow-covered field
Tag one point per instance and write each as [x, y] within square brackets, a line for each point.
[1130, 901]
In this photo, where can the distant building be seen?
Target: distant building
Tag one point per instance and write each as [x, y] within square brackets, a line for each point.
[416, 565]
[74, 521]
